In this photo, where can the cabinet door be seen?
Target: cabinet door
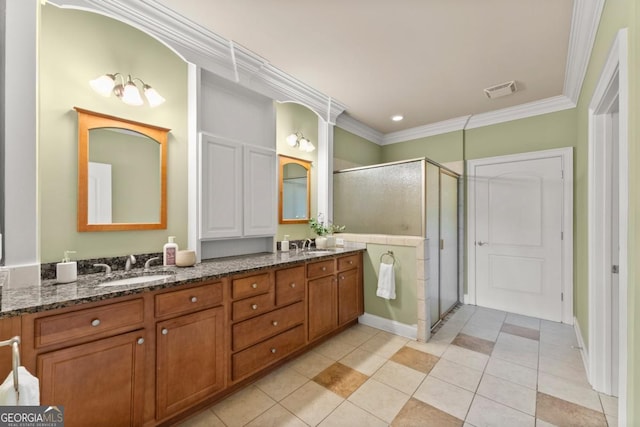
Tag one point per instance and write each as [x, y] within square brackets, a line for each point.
[221, 202]
[322, 306]
[99, 383]
[259, 191]
[348, 296]
[190, 360]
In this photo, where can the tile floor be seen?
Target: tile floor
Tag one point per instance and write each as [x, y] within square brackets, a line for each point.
[481, 368]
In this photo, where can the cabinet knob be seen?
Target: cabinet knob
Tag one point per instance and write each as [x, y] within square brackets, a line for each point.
[350, 262]
[273, 350]
[341, 277]
[165, 331]
[254, 306]
[293, 285]
[194, 299]
[324, 268]
[254, 285]
[95, 322]
[140, 340]
[274, 323]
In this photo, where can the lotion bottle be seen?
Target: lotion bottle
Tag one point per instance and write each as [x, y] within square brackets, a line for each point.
[169, 252]
[284, 245]
[67, 270]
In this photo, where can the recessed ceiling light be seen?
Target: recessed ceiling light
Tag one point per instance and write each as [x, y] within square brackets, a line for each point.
[397, 117]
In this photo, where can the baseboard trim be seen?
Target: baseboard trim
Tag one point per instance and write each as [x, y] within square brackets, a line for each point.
[583, 348]
[465, 299]
[393, 326]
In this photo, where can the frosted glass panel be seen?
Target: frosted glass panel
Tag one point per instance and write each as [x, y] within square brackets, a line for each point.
[381, 200]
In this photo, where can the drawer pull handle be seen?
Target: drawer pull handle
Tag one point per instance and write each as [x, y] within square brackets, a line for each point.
[194, 299]
[95, 322]
[273, 350]
[254, 285]
[254, 306]
[293, 285]
[324, 268]
[274, 323]
[165, 331]
[140, 341]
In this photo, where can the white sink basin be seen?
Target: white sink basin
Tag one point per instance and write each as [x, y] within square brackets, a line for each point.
[319, 252]
[135, 280]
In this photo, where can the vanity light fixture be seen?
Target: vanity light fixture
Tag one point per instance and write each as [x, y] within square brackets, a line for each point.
[127, 91]
[298, 140]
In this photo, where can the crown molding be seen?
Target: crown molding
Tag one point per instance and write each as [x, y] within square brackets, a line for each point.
[432, 129]
[584, 26]
[356, 127]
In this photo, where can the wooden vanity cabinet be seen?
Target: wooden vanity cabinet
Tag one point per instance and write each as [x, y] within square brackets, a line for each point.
[350, 292]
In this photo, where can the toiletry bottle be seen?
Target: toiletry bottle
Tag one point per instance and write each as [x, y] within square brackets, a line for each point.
[169, 252]
[284, 245]
[67, 270]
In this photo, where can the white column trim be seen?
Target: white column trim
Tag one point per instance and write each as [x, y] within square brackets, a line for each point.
[325, 169]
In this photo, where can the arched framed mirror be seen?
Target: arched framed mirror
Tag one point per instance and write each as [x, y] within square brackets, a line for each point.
[295, 188]
[122, 174]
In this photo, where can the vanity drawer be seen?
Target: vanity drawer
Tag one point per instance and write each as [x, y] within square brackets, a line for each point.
[191, 299]
[289, 285]
[267, 352]
[348, 262]
[91, 322]
[320, 268]
[255, 330]
[251, 285]
[252, 306]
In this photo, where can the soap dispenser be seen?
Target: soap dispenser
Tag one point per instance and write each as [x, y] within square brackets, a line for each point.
[284, 245]
[67, 270]
[169, 252]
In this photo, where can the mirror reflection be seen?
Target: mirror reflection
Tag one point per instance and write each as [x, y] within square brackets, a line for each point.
[121, 174]
[295, 184]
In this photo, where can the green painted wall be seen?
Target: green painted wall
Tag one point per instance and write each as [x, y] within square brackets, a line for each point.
[290, 118]
[440, 148]
[355, 149]
[404, 308]
[75, 47]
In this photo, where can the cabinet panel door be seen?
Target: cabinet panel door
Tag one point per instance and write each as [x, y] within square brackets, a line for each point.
[348, 296]
[190, 360]
[259, 192]
[99, 383]
[322, 306]
[221, 188]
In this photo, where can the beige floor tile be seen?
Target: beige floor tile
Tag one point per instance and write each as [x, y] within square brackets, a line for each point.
[364, 329]
[280, 383]
[444, 396]
[312, 403]
[542, 423]
[562, 413]
[569, 391]
[415, 359]
[510, 394]
[564, 353]
[379, 399]
[525, 321]
[310, 364]
[348, 414]
[334, 349]
[340, 379]
[521, 351]
[399, 377]
[609, 404]
[277, 416]
[485, 413]
[433, 347]
[513, 372]
[363, 361]
[420, 414]
[573, 372]
[487, 332]
[355, 336]
[242, 407]
[490, 313]
[205, 418]
[456, 374]
[384, 344]
[474, 343]
[612, 421]
[521, 331]
[557, 333]
[462, 356]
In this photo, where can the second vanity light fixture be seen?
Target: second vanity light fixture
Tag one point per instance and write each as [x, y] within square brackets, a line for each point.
[298, 140]
[127, 90]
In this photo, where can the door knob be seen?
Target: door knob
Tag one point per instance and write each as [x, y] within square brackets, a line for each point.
[482, 243]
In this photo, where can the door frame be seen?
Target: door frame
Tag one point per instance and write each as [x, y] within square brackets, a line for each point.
[566, 155]
[613, 82]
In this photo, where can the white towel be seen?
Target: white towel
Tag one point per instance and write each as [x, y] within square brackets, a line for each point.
[386, 282]
[29, 388]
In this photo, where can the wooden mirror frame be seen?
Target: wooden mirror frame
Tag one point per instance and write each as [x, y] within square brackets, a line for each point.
[285, 160]
[88, 120]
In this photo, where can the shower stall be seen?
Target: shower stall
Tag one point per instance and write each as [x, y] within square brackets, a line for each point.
[417, 197]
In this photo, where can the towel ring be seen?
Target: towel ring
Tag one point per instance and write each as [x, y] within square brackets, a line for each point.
[15, 359]
[388, 254]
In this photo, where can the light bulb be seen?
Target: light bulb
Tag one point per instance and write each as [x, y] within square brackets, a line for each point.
[152, 96]
[103, 84]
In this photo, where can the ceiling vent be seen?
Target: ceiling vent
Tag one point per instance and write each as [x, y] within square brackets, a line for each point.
[502, 89]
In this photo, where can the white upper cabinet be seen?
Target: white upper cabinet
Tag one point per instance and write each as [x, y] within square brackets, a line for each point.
[259, 191]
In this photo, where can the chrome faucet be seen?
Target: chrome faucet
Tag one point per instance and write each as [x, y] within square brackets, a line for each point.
[295, 245]
[148, 262]
[305, 243]
[107, 268]
[130, 261]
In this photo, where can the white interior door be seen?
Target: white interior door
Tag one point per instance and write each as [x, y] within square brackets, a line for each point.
[615, 254]
[448, 242]
[518, 246]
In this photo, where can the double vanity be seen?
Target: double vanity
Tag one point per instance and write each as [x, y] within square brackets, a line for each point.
[152, 351]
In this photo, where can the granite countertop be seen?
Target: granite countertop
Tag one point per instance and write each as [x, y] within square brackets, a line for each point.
[48, 294]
